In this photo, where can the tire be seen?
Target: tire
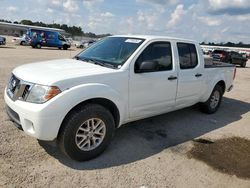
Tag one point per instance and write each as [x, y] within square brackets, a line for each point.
[21, 43]
[65, 47]
[214, 101]
[38, 46]
[79, 148]
[243, 64]
[81, 46]
[59, 48]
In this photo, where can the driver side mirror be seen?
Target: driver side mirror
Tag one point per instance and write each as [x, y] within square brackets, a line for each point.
[146, 66]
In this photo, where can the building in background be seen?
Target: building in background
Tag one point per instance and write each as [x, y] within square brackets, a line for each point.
[12, 29]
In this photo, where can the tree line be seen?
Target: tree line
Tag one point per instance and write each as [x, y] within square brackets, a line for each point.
[72, 30]
[227, 44]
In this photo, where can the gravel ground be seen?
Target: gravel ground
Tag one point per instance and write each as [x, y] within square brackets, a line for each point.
[147, 153]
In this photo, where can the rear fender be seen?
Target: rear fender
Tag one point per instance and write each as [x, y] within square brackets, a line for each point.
[211, 84]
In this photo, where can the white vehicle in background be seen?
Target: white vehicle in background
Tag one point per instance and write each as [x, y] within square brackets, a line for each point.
[70, 41]
[80, 102]
[85, 43]
[24, 40]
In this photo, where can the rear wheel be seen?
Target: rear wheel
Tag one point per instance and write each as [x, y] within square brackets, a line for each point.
[243, 64]
[86, 132]
[38, 46]
[214, 101]
[22, 43]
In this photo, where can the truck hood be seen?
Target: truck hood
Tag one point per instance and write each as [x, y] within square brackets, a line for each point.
[55, 72]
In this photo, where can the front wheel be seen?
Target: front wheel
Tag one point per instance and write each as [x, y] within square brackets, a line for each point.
[65, 47]
[86, 132]
[214, 101]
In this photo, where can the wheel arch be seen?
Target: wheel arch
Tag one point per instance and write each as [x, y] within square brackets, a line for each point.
[222, 84]
[108, 104]
[210, 88]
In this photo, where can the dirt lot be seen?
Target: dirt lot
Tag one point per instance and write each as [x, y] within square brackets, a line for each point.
[148, 153]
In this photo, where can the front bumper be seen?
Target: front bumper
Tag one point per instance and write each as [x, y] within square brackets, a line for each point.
[14, 117]
[37, 120]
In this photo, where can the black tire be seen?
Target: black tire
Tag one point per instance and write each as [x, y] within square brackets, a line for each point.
[21, 43]
[208, 107]
[243, 64]
[65, 47]
[81, 46]
[59, 48]
[67, 135]
[38, 46]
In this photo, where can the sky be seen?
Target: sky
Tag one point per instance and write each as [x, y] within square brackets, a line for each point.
[201, 20]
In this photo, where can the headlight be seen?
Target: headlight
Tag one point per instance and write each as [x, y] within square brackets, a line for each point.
[40, 94]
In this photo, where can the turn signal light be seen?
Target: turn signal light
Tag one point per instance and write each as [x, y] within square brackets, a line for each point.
[52, 92]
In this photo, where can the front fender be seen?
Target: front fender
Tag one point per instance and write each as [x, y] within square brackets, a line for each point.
[85, 92]
[61, 104]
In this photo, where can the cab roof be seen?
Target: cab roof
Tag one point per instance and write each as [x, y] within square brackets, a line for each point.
[153, 37]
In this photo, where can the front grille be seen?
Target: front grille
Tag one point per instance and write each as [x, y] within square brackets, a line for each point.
[18, 89]
[25, 92]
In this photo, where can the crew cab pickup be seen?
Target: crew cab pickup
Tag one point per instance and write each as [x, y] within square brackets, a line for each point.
[80, 102]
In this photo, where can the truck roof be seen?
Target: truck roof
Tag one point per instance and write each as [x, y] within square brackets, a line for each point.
[151, 37]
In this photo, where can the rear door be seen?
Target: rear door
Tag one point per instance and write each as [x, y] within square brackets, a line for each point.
[153, 92]
[190, 76]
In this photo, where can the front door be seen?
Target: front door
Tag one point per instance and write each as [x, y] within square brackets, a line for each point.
[153, 91]
[51, 39]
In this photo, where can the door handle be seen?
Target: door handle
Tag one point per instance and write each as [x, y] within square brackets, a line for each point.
[172, 78]
[198, 75]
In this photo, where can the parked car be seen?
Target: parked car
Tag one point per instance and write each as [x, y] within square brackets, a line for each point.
[24, 40]
[230, 57]
[85, 43]
[40, 38]
[80, 102]
[70, 41]
[2, 40]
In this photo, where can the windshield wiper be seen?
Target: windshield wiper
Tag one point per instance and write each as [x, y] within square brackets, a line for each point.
[76, 57]
[84, 59]
[96, 62]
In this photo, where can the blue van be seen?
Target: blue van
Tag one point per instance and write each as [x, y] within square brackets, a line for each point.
[39, 38]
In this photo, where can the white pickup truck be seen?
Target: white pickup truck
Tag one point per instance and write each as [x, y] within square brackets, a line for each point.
[80, 102]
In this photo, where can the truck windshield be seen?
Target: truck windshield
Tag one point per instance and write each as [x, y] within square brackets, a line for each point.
[112, 51]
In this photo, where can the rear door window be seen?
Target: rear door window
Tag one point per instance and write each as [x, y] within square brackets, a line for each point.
[187, 55]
